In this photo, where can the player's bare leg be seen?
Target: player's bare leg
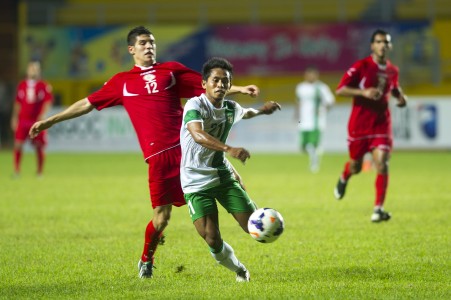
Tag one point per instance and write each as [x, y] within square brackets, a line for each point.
[381, 158]
[152, 237]
[242, 219]
[208, 229]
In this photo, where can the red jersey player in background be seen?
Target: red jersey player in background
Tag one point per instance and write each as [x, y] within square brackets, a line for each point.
[33, 101]
[370, 82]
[150, 93]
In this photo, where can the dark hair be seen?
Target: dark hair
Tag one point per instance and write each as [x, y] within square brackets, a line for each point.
[377, 32]
[216, 62]
[137, 31]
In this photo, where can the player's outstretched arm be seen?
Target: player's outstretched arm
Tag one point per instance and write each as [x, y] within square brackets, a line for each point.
[251, 90]
[15, 116]
[267, 109]
[400, 96]
[206, 140]
[371, 93]
[77, 109]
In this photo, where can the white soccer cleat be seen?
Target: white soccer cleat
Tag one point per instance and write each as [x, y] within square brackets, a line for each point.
[145, 269]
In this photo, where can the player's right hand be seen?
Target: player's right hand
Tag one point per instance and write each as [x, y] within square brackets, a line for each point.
[38, 127]
[372, 93]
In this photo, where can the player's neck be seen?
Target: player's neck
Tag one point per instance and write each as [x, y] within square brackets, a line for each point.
[217, 103]
[381, 60]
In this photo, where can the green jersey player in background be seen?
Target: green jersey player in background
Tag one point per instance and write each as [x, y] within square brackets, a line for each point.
[206, 175]
[313, 99]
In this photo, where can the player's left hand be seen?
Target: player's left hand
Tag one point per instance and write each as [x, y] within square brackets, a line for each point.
[270, 107]
[251, 90]
[402, 101]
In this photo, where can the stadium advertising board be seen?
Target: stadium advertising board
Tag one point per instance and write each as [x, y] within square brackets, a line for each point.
[424, 124]
[94, 53]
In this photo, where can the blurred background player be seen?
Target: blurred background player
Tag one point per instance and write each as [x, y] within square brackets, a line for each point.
[206, 174]
[151, 94]
[314, 98]
[370, 81]
[33, 100]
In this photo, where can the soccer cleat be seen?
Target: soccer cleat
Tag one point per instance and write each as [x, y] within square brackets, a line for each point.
[340, 189]
[145, 269]
[380, 215]
[243, 275]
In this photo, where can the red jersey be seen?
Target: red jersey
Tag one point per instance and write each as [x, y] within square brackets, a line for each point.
[31, 95]
[370, 118]
[152, 98]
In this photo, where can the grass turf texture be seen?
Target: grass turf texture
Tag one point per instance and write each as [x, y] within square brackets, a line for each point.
[77, 233]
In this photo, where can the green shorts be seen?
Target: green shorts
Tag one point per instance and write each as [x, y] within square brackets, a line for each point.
[229, 194]
[310, 137]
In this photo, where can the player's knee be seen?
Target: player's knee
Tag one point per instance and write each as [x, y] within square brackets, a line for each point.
[355, 167]
[213, 240]
[161, 221]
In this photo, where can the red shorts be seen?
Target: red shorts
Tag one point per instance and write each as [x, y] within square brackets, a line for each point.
[164, 178]
[359, 146]
[21, 134]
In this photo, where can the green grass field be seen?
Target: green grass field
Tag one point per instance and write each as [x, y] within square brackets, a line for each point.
[77, 233]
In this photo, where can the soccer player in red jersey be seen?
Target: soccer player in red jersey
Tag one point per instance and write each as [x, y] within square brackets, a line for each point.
[150, 93]
[33, 101]
[370, 81]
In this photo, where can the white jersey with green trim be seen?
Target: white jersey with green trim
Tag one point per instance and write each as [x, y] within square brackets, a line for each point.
[314, 99]
[202, 168]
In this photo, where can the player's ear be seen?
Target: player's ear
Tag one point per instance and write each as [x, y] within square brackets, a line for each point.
[131, 50]
[204, 84]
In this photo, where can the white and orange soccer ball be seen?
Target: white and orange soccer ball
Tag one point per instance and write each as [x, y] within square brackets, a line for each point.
[265, 225]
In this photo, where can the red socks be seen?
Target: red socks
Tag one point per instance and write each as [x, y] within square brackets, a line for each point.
[346, 173]
[17, 159]
[381, 189]
[151, 240]
[40, 157]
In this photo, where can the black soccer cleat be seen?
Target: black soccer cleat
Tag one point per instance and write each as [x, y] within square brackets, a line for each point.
[340, 189]
[380, 215]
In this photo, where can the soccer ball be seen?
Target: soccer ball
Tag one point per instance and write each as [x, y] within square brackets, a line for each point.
[265, 225]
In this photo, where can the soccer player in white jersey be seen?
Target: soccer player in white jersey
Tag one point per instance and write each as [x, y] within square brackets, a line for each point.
[206, 175]
[314, 98]
[150, 93]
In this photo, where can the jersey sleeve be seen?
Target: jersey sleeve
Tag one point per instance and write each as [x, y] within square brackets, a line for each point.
[189, 82]
[108, 95]
[20, 93]
[352, 76]
[192, 111]
[48, 92]
[239, 112]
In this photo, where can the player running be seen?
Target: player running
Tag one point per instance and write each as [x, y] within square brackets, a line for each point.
[370, 81]
[150, 93]
[206, 174]
[313, 99]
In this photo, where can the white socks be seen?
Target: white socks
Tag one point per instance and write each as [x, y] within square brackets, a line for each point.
[228, 259]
